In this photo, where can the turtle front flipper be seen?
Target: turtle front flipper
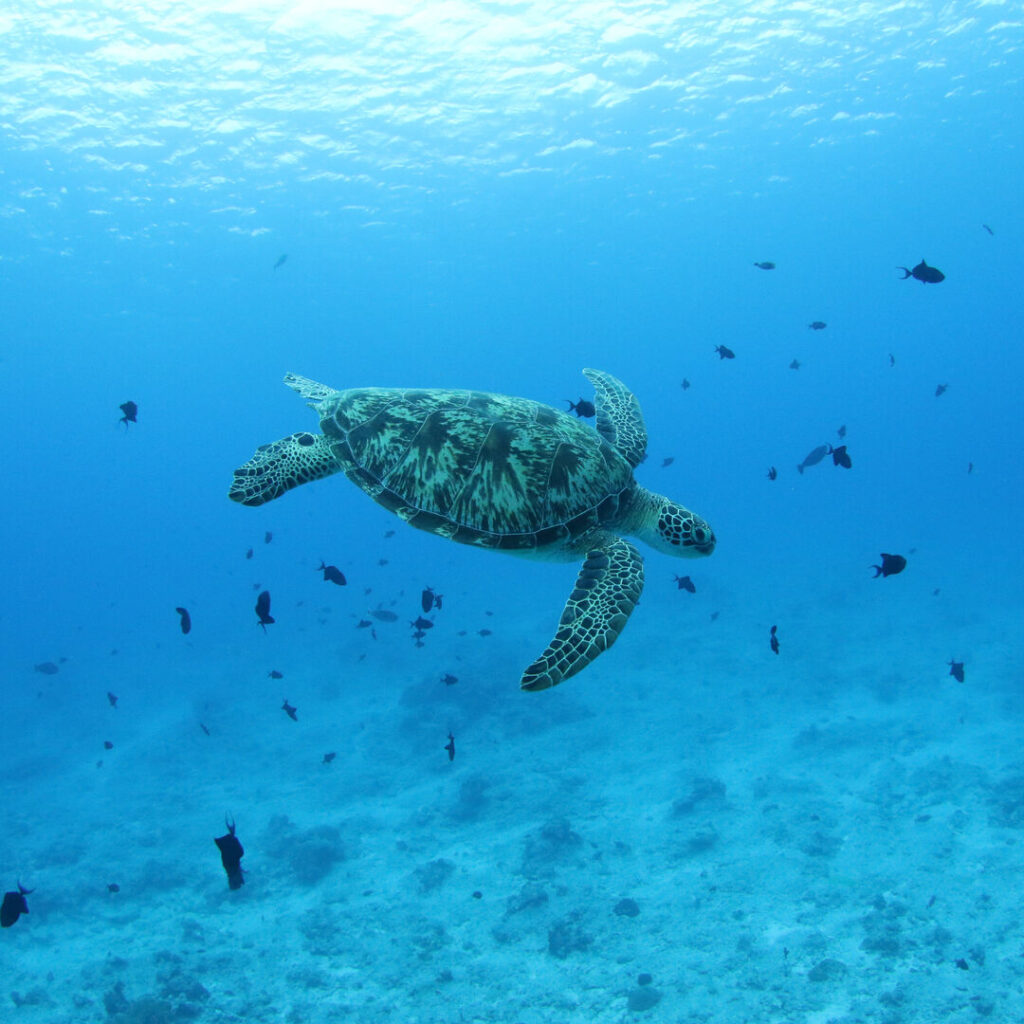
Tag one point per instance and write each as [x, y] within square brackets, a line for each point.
[606, 592]
[282, 465]
[619, 420]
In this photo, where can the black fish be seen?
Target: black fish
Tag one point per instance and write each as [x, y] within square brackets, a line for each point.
[891, 565]
[281, 260]
[772, 473]
[422, 623]
[328, 758]
[484, 632]
[428, 599]
[113, 887]
[923, 273]
[840, 457]
[107, 745]
[725, 353]
[363, 623]
[274, 674]
[383, 615]
[774, 640]
[248, 553]
[15, 905]
[582, 408]
[765, 265]
[289, 710]
[841, 432]
[231, 854]
[131, 412]
[112, 698]
[332, 574]
[448, 679]
[186, 619]
[685, 583]
[892, 359]
[988, 229]
[389, 533]
[263, 610]
[814, 456]
[795, 365]
[449, 746]
[48, 668]
[970, 467]
[268, 537]
[685, 385]
[940, 389]
[817, 325]
[956, 670]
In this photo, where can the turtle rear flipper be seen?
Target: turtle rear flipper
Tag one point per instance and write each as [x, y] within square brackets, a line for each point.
[606, 592]
[281, 465]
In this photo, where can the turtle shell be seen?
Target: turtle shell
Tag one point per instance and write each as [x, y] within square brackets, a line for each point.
[484, 469]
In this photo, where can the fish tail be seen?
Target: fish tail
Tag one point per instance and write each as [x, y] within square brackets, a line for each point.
[906, 273]
[800, 470]
[878, 570]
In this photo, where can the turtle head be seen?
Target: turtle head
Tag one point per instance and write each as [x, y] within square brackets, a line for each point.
[670, 527]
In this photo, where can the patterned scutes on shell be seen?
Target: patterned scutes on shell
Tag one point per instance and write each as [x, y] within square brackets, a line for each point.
[490, 470]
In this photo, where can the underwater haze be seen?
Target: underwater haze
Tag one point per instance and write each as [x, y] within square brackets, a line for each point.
[792, 792]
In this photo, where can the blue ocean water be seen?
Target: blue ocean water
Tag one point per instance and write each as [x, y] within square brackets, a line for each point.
[198, 197]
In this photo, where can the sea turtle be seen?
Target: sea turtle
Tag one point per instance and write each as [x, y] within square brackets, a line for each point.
[504, 473]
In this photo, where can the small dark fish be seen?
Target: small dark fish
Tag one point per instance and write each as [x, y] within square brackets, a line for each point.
[774, 639]
[988, 229]
[281, 260]
[107, 745]
[961, 964]
[231, 854]
[484, 632]
[448, 679]
[772, 473]
[970, 467]
[112, 699]
[186, 620]
[263, 610]
[582, 408]
[891, 565]
[795, 365]
[274, 674]
[203, 727]
[923, 273]
[268, 537]
[814, 456]
[382, 561]
[841, 432]
[248, 553]
[666, 462]
[363, 623]
[725, 353]
[422, 623]
[384, 615]
[685, 583]
[714, 615]
[113, 887]
[685, 385]
[332, 574]
[450, 747]
[131, 412]
[15, 904]
[289, 710]
[765, 265]
[428, 599]
[389, 533]
[892, 359]
[328, 758]
[956, 670]
[419, 635]
[840, 457]
[940, 389]
[817, 325]
[48, 668]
